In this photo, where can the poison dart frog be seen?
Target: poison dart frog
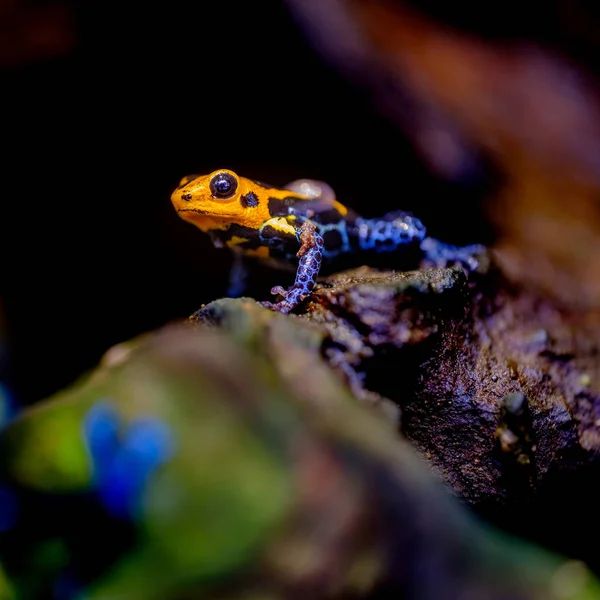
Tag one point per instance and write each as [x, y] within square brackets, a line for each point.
[301, 224]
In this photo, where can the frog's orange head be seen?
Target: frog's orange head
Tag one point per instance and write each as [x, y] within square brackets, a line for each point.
[220, 199]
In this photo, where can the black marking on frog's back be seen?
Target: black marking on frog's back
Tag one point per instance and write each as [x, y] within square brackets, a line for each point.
[336, 238]
[280, 207]
[269, 233]
[320, 210]
[330, 216]
[332, 239]
[249, 200]
[281, 244]
[221, 237]
[242, 231]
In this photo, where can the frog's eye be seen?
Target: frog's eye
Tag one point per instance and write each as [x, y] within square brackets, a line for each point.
[223, 185]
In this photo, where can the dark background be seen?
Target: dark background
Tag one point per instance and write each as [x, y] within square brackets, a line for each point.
[95, 141]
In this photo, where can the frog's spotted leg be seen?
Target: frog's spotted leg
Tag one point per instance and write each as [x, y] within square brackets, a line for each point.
[390, 232]
[440, 254]
[238, 276]
[310, 255]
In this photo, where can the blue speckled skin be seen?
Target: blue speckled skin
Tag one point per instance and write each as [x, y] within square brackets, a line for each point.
[390, 232]
[310, 257]
[440, 254]
[351, 235]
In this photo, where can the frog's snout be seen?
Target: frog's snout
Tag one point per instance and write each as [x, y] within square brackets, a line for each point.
[180, 197]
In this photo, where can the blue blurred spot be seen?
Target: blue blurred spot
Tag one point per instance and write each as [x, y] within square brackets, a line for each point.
[9, 509]
[123, 463]
[149, 441]
[66, 587]
[102, 434]
[8, 405]
[118, 490]
[148, 444]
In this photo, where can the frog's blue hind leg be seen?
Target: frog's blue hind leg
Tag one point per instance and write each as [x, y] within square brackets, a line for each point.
[388, 233]
[238, 277]
[399, 228]
[440, 254]
[310, 255]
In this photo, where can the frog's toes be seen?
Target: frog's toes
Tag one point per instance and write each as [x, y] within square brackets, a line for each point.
[282, 307]
[279, 291]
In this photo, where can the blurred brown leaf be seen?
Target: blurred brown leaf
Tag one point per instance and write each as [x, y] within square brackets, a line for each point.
[534, 112]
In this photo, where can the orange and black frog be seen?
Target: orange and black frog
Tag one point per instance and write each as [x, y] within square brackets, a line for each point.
[301, 224]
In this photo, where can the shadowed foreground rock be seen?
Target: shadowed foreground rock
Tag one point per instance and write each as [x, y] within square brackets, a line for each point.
[195, 463]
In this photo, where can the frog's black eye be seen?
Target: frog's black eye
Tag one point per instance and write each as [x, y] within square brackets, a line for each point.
[223, 185]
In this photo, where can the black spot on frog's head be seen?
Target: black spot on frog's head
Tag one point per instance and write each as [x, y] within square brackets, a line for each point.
[249, 200]
[223, 185]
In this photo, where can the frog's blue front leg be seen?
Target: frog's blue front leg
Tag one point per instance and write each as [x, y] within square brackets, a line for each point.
[238, 277]
[310, 255]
